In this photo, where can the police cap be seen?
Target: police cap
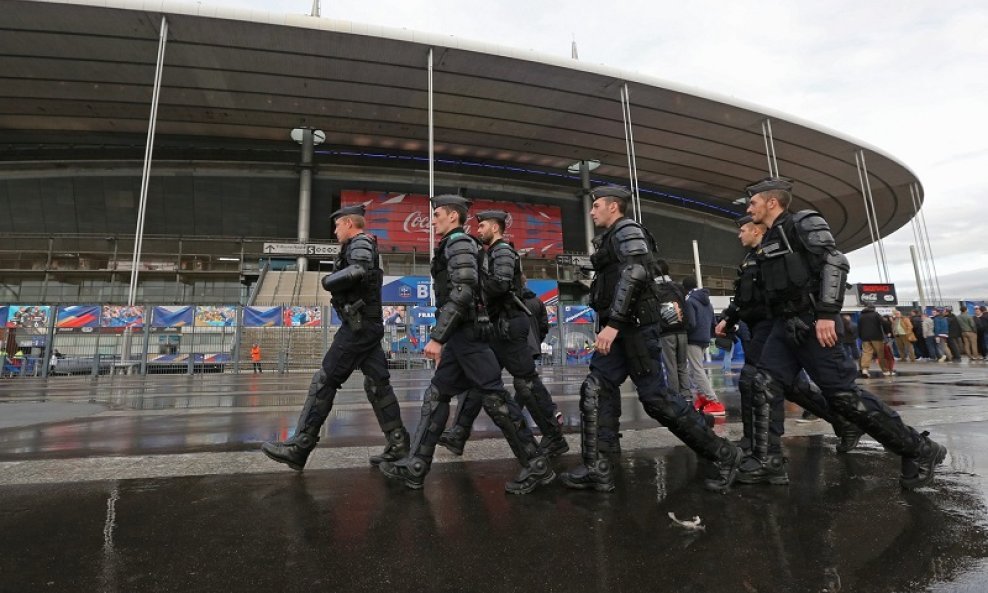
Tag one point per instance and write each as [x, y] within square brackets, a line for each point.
[610, 191]
[768, 184]
[499, 215]
[451, 201]
[742, 221]
[358, 210]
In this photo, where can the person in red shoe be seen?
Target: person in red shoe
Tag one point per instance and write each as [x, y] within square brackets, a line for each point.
[700, 314]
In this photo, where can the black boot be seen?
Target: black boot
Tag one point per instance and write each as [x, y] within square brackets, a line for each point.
[454, 439]
[918, 470]
[537, 472]
[294, 452]
[771, 470]
[396, 448]
[848, 433]
[411, 470]
[721, 473]
[597, 476]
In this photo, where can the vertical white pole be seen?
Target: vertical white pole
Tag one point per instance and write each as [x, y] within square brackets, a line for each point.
[696, 263]
[432, 183]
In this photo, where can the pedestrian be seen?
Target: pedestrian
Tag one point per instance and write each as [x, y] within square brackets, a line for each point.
[673, 331]
[255, 357]
[929, 337]
[982, 324]
[941, 329]
[902, 331]
[804, 276]
[355, 286]
[872, 333]
[969, 334]
[700, 316]
[459, 343]
[919, 344]
[954, 335]
[628, 308]
[762, 420]
[849, 340]
[502, 286]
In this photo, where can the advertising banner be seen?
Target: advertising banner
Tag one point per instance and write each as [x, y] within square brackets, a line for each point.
[394, 314]
[172, 316]
[28, 316]
[302, 317]
[546, 290]
[581, 314]
[74, 316]
[877, 295]
[122, 316]
[552, 312]
[216, 316]
[402, 220]
[413, 290]
[262, 316]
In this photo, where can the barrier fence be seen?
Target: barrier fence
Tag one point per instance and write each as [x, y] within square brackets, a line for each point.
[58, 341]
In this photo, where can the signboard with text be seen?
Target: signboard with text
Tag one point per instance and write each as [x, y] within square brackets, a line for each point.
[402, 221]
[877, 295]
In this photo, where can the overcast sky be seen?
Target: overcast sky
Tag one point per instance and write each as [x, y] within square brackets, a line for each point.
[909, 77]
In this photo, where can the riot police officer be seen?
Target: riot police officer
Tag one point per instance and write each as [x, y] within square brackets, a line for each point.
[356, 288]
[763, 422]
[628, 309]
[503, 286]
[804, 276]
[465, 360]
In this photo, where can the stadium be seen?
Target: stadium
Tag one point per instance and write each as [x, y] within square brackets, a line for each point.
[265, 123]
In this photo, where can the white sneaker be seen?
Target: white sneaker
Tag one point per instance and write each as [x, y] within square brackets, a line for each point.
[888, 373]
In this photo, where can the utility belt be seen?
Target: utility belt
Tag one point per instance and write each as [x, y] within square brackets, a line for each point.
[355, 314]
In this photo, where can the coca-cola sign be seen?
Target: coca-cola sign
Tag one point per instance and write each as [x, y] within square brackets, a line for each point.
[402, 221]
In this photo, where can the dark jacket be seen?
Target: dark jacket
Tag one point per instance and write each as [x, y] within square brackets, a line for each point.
[870, 327]
[953, 326]
[850, 335]
[700, 317]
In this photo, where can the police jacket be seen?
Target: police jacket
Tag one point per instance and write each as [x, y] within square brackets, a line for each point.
[802, 270]
[358, 276]
[502, 279]
[748, 304]
[623, 292]
[456, 273]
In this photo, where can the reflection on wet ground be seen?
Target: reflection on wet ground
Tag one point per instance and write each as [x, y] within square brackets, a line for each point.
[842, 525]
[842, 520]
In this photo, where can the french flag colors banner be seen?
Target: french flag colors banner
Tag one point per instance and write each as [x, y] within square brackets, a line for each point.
[546, 290]
[78, 316]
[402, 221]
[578, 314]
[262, 316]
[173, 316]
[405, 289]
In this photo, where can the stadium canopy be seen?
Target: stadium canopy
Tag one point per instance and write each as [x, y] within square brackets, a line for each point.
[81, 73]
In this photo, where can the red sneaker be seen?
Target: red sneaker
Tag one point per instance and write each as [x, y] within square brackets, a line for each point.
[700, 401]
[714, 408]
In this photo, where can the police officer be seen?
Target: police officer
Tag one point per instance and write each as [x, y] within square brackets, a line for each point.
[804, 276]
[459, 342]
[763, 422]
[623, 295]
[356, 289]
[503, 287]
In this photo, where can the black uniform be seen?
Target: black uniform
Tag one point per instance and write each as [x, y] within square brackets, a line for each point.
[804, 276]
[356, 289]
[502, 286]
[467, 363]
[763, 422]
[623, 296]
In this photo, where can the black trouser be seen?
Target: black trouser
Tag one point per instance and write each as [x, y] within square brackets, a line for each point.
[350, 351]
[468, 364]
[608, 372]
[514, 354]
[782, 360]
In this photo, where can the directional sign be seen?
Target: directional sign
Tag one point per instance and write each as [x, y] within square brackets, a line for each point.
[582, 261]
[301, 249]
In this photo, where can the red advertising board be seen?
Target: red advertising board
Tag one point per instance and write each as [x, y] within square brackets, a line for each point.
[402, 220]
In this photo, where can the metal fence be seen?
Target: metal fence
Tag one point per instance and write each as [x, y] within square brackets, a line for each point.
[40, 345]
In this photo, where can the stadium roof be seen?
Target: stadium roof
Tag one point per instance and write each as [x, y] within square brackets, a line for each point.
[74, 69]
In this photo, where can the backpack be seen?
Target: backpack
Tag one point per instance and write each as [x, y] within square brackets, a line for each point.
[672, 305]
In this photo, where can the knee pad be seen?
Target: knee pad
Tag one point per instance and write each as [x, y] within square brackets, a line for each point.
[379, 392]
[319, 380]
[431, 400]
[764, 388]
[590, 392]
[848, 403]
[746, 380]
[495, 404]
[524, 390]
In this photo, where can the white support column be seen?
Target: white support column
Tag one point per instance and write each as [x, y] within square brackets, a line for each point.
[587, 204]
[696, 264]
[432, 181]
[305, 194]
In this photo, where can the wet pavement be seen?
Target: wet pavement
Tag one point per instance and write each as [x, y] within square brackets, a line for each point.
[157, 485]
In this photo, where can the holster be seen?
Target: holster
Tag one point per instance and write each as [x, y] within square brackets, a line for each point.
[640, 361]
[351, 313]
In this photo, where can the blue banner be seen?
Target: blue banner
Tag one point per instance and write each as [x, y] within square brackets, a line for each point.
[78, 316]
[578, 314]
[4, 310]
[546, 290]
[412, 290]
[28, 316]
[262, 316]
[122, 316]
[173, 316]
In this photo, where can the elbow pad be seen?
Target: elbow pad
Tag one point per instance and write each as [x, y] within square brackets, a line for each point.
[833, 277]
[343, 279]
[447, 320]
